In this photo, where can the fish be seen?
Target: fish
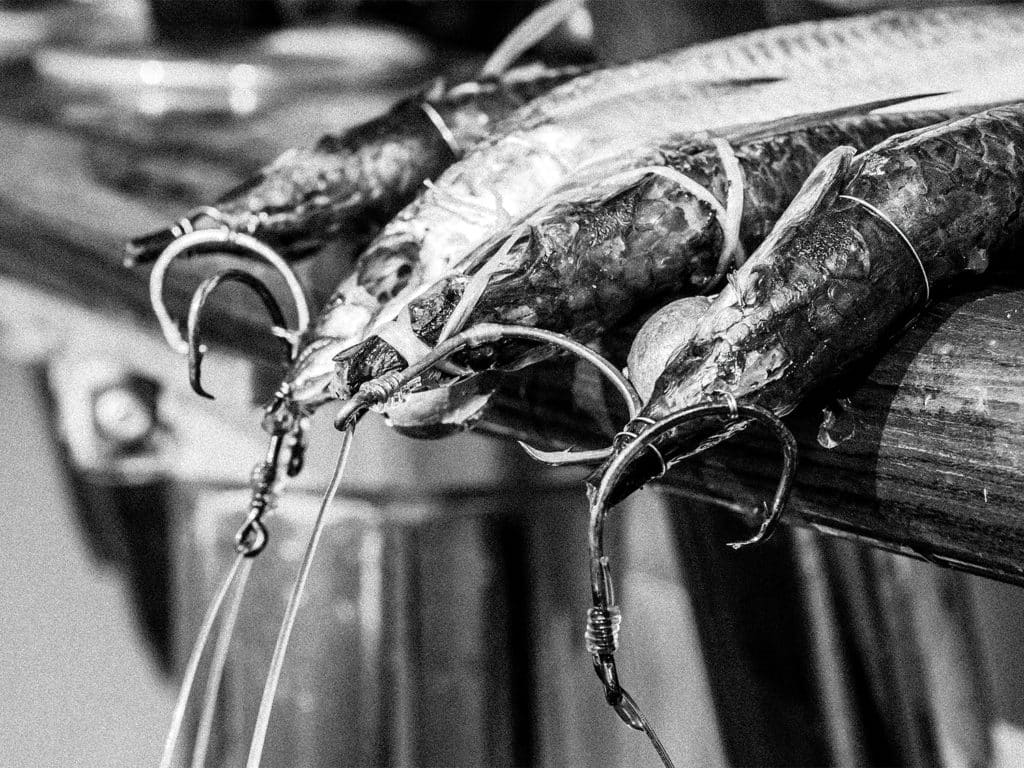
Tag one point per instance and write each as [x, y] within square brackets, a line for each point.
[608, 121]
[353, 181]
[857, 256]
[587, 265]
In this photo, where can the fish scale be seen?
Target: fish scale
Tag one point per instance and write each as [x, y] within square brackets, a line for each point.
[611, 119]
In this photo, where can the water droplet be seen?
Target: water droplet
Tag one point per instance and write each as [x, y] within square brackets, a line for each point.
[838, 424]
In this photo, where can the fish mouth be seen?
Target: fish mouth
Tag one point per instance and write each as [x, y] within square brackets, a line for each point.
[444, 410]
[312, 380]
[364, 362]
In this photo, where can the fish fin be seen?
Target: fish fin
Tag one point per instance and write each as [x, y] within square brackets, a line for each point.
[818, 192]
[755, 131]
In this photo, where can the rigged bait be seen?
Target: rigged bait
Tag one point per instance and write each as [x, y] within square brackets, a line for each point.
[364, 175]
[855, 257]
[852, 261]
[584, 266]
[608, 121]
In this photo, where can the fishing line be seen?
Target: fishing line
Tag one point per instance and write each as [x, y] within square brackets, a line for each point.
[240, 565]
[259, 735]
[648, 729]
[906, 240]
[216, 673]
[442, 128]
[527, 34]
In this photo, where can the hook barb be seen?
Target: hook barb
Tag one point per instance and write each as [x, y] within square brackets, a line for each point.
[568, 458]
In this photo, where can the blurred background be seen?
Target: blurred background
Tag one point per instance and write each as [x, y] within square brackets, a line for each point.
[444, 625]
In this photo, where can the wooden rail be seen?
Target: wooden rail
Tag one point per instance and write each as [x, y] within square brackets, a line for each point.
[934, 468]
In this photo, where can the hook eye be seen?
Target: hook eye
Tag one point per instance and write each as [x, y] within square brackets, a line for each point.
[251, 538]
[221, 236]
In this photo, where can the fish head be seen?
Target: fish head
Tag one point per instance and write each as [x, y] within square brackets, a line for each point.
[737, 348]
[436, 404]
[363, 362]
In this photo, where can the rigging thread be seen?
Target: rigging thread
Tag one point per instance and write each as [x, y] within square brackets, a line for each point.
[878, 214]
[445, 132]
[527, 34]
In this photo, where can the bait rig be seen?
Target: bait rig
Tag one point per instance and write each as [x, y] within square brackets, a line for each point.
[636, 440]
[286, 424]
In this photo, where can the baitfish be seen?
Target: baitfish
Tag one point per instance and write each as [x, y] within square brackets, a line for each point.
[855, 258]
[361, 177]
[586, 265]
[608, 121]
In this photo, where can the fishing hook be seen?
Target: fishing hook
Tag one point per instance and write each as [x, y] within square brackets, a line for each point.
[221, 236]
[383, 387]
[604, 618]
[196, 349]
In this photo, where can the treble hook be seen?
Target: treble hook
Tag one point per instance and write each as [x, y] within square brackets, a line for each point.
[380, 389]
[197, 349]
[221, 236]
